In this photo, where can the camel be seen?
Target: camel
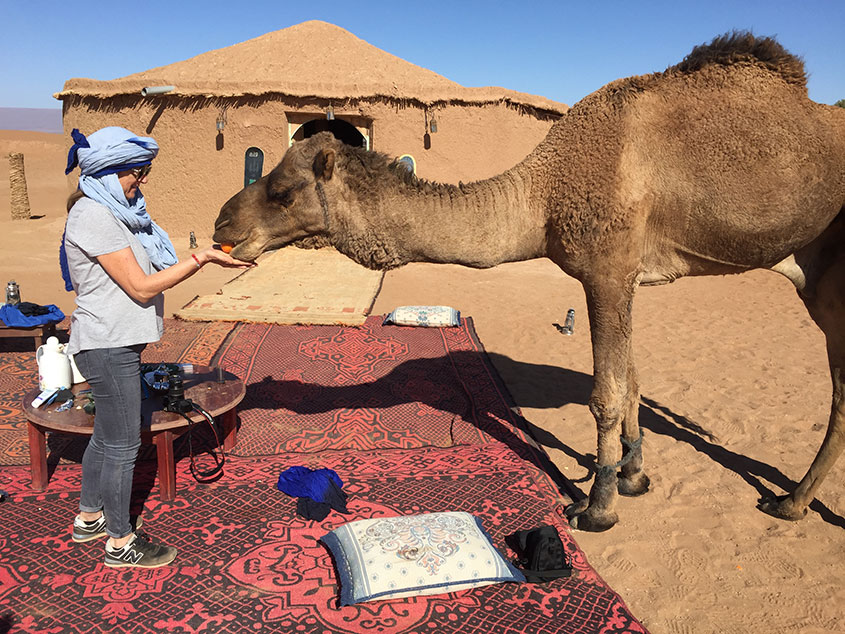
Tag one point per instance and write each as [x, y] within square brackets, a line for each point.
[718, 165]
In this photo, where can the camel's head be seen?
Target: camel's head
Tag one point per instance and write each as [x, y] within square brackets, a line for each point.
[285, 205]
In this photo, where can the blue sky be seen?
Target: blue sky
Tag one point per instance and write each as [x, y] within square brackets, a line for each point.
[559, 49]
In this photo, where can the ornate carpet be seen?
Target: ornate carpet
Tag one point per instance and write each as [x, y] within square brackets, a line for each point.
[413, 420]
[318, 388]
[247, 562]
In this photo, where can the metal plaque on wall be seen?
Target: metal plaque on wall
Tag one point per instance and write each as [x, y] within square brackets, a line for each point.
[253, 165]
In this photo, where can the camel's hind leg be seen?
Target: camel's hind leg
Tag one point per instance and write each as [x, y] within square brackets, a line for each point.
[824, 296]
[632, 480]
[614, 404]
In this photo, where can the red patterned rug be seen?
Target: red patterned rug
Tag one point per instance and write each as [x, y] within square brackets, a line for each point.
[413, 420]
[248, 563]
[188, 342]
[183, 342]
[319, 388]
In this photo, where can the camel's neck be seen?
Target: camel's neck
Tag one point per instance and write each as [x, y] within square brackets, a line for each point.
[481, 224]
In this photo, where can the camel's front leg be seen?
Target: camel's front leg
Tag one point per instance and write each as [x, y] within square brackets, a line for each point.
[613, 403]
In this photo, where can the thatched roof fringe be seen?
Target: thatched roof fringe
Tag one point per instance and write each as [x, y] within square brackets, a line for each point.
[193, 103]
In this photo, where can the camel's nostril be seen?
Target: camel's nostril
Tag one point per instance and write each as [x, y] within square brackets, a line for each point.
[222, 222]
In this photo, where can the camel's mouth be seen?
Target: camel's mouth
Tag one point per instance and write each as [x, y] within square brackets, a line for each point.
[243, 246]
[248, 250]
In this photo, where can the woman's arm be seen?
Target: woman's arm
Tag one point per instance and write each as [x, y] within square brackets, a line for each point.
[124, 269]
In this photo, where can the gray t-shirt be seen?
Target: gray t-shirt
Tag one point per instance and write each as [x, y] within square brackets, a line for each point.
[105, 316]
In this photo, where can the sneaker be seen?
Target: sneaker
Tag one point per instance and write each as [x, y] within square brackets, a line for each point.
[84, 531]
[140, 552]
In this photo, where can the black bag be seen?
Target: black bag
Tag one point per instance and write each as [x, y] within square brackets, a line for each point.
[540, 554]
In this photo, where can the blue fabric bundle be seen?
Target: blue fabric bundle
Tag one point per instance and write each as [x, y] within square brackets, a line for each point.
[318, 491]
[14, 318]
[100, 157]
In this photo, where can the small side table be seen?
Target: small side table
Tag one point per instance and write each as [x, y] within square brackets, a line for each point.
[157, 426]
[38, 333]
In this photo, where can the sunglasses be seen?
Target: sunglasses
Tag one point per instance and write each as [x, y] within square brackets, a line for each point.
[141, 172]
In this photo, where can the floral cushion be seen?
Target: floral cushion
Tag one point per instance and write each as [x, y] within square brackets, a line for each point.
[414, 555]
[435, 316]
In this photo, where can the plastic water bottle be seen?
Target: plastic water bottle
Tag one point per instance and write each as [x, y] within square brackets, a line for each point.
[13, 293]
[569, 324]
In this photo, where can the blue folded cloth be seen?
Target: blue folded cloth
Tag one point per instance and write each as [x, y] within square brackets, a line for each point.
[318, 491]
[14, 318]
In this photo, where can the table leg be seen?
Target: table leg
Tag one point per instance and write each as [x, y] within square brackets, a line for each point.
[37, 456]
[230, 429]
[163, 441]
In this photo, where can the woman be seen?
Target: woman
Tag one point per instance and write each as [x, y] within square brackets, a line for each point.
[118, 261]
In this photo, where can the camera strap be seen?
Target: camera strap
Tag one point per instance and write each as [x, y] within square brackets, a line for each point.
[212, 474]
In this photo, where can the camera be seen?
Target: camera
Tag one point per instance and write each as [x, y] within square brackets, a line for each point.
[174, 398]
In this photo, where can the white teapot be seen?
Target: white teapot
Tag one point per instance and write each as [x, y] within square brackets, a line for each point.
[54, 371]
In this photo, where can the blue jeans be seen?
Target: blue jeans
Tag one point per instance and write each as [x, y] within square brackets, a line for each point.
[109, 461]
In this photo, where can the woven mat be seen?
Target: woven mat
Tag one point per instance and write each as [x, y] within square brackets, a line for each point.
[414, 420]
[293, 286]
[248, 563]
[317, 388]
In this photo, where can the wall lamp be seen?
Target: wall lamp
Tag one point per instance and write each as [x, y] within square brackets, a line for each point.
[430, 122]
[221, 121]
[330, 113]
[156, 90]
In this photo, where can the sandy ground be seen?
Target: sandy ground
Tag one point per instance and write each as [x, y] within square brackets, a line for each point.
[735, 402]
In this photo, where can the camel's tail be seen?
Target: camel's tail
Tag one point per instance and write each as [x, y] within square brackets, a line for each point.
[743, 46]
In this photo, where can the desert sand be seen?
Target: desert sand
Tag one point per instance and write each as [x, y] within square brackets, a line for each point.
[735, 402]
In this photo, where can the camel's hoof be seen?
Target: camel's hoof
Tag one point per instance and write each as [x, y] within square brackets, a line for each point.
[634, 486]
[582, 517]
[782, 507]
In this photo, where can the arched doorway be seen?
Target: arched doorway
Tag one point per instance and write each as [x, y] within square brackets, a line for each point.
[342, 130]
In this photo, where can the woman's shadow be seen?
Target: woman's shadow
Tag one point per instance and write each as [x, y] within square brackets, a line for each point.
[196, 443]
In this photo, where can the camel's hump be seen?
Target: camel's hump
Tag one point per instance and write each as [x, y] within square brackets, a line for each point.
[742, 46]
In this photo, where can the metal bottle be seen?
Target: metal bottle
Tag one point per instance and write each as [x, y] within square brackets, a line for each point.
[569, 324]
[13, 293]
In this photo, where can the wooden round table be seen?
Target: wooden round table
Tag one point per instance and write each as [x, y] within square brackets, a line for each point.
[203, 386]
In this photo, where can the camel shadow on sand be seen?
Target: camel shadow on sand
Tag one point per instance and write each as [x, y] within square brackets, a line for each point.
[654, 417]
[571, 387]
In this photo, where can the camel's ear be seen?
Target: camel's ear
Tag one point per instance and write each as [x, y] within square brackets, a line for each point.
[324, 164]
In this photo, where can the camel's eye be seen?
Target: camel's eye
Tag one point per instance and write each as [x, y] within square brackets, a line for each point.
[283, 197]
[283, 193]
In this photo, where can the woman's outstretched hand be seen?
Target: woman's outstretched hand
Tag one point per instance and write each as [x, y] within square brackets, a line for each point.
[217, 256]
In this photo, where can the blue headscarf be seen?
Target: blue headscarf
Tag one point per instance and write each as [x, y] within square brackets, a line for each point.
[100, 157]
